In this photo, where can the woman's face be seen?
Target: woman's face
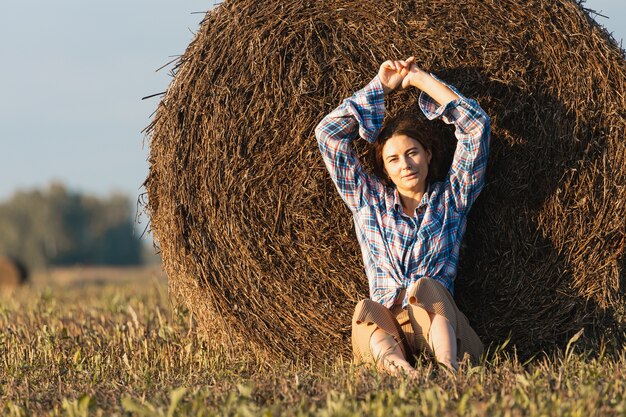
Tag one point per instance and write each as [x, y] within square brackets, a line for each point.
[406, 162]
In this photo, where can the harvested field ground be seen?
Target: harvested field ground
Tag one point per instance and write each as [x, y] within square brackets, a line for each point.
[90, 275]
[107, 343]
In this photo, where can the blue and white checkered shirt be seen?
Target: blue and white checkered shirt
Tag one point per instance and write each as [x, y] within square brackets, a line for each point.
[399, 249]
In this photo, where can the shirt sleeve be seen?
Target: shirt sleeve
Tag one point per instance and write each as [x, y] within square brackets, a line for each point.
[466, 177]
[360, 115]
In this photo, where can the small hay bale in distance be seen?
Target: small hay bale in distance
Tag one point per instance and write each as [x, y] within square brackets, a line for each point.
[12, 273]
[252, 230]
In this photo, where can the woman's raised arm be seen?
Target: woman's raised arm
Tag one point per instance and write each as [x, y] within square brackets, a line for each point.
[466, 177]
[420, 79]
[360, 115]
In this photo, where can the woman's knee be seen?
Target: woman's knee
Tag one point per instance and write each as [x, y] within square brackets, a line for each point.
[357, 311]
[418, 286]
[370, 311]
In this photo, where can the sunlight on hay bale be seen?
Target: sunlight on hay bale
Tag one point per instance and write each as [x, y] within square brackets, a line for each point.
[252, 230]
[12, 273]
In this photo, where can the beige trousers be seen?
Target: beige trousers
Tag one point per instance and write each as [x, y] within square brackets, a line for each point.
[411, 326]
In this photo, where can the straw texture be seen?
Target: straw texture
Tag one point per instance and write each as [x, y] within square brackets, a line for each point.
[252, 231]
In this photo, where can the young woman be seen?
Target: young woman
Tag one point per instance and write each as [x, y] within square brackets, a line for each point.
[409, 227]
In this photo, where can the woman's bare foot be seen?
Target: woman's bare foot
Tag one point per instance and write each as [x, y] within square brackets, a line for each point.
[400, 368]
[388, 354]
[449, 369]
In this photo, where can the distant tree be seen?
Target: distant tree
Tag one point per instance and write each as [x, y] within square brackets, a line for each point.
[58, 227]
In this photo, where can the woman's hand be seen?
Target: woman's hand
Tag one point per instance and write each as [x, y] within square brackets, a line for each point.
[420, 79]
[415, 77]
[392, 73]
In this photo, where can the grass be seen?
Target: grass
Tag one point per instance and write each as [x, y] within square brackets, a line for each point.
[117, 348]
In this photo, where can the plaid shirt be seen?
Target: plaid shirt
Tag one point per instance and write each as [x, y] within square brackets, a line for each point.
[399, 249]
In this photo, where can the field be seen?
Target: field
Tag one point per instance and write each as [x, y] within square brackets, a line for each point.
[107, 342]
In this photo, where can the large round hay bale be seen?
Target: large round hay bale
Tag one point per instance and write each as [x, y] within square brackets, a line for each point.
[12, 272]
[252, 229]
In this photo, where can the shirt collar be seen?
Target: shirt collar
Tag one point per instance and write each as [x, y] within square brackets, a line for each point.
[397, 203]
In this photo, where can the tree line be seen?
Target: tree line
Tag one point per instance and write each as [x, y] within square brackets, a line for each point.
[58, 227]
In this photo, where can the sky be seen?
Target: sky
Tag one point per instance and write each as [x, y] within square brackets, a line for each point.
[71, 81]
[72, 76]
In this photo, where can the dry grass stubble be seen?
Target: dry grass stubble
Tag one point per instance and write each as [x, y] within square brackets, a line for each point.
[119, 349]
